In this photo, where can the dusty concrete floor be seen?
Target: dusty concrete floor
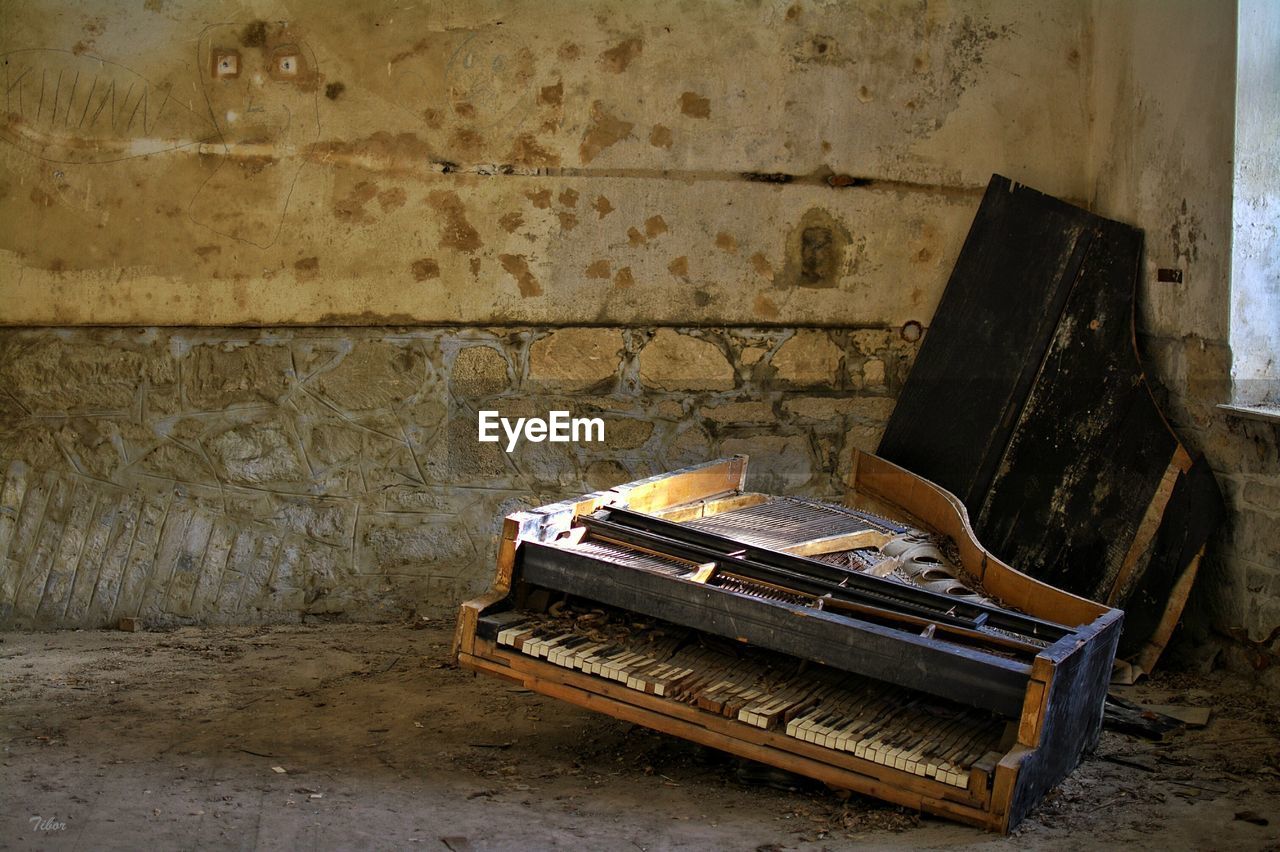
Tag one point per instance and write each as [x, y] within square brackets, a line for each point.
[168, 741]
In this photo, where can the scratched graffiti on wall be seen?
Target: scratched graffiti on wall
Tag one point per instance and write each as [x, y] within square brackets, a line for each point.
[482, 82]
[260, 82]
[258, 114]
[69, 108]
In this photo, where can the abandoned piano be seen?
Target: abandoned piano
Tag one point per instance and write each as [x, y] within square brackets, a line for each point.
[873, 645]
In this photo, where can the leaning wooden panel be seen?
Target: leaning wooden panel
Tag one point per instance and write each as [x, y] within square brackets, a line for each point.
[875, 646]
[1029, 401]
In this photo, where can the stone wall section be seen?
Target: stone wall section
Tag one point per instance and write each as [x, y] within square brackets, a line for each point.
[1239, 585]
[248, 476]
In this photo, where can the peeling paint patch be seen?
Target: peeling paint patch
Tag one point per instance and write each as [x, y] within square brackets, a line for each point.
[254, 34]
[655, 225]
[455, 231]
[351, 207]
[694, 105]
[679, 267]
[605, 130]
[602, 206]
[540, 199]
[599, 269]
[569, 198]
[467, 141]
[526, 151]
[660, 136]
[307, 267]
[510, 222]
[392, 199]
[764, 307]
[517, 266]
[424, 268]
[624, 279]
[726, 242]
[616, 59]
[552, 95]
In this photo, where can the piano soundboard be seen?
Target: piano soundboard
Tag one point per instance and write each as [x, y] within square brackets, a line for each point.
[873, 645]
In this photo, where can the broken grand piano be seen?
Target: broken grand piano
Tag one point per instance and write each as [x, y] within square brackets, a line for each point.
[874, 646]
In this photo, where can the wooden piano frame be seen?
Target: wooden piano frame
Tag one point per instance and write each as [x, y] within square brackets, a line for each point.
[1061, 713]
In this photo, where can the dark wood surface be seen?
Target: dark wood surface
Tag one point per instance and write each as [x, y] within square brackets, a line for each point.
[1028, 401]
[959, 405]
[1072, 721]
[1194, 509]
[961, 674]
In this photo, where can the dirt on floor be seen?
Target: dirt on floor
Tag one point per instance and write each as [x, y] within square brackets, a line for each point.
[355, 736]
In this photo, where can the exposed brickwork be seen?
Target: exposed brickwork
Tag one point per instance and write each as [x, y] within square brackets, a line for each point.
[235, 476]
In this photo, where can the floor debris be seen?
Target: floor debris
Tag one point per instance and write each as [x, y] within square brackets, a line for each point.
[196, 716]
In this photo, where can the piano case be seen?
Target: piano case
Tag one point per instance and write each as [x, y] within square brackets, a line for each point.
[875, 646]
[1052, 437]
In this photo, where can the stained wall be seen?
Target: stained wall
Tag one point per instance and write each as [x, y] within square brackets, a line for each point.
[713, 224]
[1164, 159]
[263, 262]
[554, 162]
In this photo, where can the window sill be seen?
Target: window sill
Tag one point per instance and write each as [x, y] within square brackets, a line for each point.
[1268, 414]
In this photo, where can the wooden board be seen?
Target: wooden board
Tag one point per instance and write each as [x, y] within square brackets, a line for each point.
[1049, 434]
[1194, 509]
[986, 339]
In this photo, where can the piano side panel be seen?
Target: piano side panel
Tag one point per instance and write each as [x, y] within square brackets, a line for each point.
[943, 512]
[464, 632]
[1069, 720]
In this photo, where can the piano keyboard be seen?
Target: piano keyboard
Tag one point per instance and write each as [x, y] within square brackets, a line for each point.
[874, 721]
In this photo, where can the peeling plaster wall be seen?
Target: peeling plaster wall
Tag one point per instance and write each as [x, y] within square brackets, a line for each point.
[553, 162]
[708, 223]
[1164, 97]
